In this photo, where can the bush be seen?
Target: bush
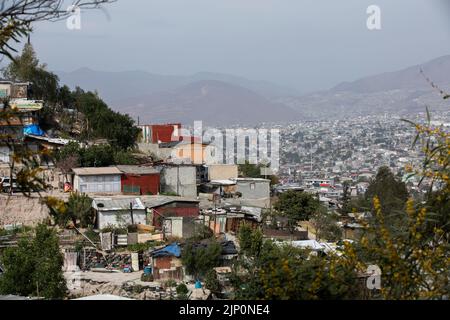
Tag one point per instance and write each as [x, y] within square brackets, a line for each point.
[79, 207]
[211, 282]
[92, 235]
[113, 228]
[199, 259]
[147, 277]
[34, 267]
[201, 232]
[182, 292]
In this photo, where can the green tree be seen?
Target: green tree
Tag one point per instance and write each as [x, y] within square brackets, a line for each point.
[26, 67]
[34, 267]
[102, 122]
[79, 207]
[284, 272]
[99, 120]
[325, 224]
[296, 206]
[72, 155]
[414, 257]
[346, 199]
[125, 157]
[182, 292]
[250, 241]
[390, 191]
[97, 156]
[211, 282]
[250, 170]
[413, 261]
[201, 232]
[199, 258]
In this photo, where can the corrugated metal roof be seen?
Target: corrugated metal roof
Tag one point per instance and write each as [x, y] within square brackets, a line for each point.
[116, 204]
[250, 179]
[223, 182]
[89, 171]
[156, 201]
[137, 169]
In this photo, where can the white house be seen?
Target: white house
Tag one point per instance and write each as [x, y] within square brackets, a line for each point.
[97, 180]
[119, 211]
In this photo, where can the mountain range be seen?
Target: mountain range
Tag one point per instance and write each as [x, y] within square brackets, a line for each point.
[226, 99]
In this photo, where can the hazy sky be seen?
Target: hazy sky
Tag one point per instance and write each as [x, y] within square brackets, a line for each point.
[305, 44]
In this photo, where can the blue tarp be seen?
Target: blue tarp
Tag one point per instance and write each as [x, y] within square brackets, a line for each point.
[33, 129]
[170, 250]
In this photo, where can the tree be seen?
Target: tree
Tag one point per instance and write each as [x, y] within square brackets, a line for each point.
[325, 224]
[250, 170]
[201, 232]
[79, 207]
[182, 292]
[170, 284]
[414, 263]
[102, 122]
[99, 120]
[296, 206]
[199, 258]
[34, 267]
[124, 157]
[250, 241]
[391, 192]
[26, 68]
[346, 203]
[414, 258]
[97, 156]
[72, 155]
[284, 272]
[68, 157]
[211, 282]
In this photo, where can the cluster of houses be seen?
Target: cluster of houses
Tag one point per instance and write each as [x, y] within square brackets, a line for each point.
[169, 203]
[166, 200]
[138, 194]
[21, 122]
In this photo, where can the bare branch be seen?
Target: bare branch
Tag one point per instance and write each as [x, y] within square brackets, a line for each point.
[17, 16]
[444, 94]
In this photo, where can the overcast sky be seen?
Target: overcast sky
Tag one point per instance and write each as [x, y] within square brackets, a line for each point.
[304, 44]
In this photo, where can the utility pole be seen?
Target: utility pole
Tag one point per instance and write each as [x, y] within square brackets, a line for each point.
[178, 179]
[215, 213]
[131, 212]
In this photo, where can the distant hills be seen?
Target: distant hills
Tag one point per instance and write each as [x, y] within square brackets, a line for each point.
[406, 79]
[226, 99]
[124, 84]
[401, 92]
[214, 102]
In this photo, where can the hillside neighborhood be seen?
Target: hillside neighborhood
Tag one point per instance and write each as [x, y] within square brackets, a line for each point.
[211, 187]
[138, 219]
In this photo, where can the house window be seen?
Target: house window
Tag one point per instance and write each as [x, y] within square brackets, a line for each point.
[252, 186]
